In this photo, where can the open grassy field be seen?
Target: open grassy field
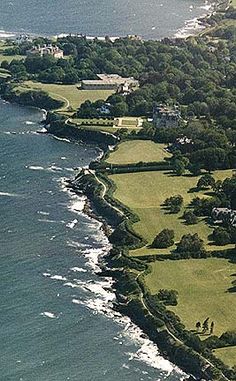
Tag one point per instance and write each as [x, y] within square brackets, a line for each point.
[202, 285]
[145, 192]
[72, 95]
[138, 150]
[227, 355]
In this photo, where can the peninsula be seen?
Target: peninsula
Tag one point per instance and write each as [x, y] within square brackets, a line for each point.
[164, 113]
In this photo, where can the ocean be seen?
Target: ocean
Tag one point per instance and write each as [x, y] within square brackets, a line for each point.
[151, 19]
[56, 321]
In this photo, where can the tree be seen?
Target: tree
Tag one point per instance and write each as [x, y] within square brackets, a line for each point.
[190, 217]
[179, 167]
[191, 246]
[212, 328]
[195, 169]
[221, 236]
[174, 203]
[168, 297]
[119, 109]
[198, 325]
[164, 239]
[205, 325]
[206, 181]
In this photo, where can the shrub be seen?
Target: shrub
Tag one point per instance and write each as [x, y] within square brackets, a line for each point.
[168, 297]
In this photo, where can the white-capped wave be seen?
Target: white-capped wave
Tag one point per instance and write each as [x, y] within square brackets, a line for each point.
[58, 277]
[4, 34]
[43, 213]
[72, 224]
[50, 315]
[35, 167]
[7, 194]
[62, 139]
[78, 269]
[29, 122]
[77, 204]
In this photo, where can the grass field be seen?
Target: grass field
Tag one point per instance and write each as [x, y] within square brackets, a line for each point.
[72, 95]
[144, 192]
[138, 150]
[227, 355]
[202, 285]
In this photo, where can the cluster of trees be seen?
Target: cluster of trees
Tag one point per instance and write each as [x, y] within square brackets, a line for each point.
[190, 246]
[168, 297]
[164, 239]
[205, 326]
[174, 203]
[115, 104]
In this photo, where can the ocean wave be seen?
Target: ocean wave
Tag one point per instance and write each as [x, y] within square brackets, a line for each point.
[72, 224]
[78, 269]
[50, 315]
[4, 34]
[7, 194]
[61, 139]
[29, 122]
[194, 25]
[58, 277]
[43, 213]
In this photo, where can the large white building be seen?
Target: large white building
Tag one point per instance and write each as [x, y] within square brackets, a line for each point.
[108, 82]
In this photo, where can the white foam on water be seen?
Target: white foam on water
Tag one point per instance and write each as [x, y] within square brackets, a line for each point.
[43, 213]
[58, 277]
[76, 245]
[51, 221]
[7, 194]
[54, 168]
[77, 204]
[50, 315]
[61, 139]
[35, 167]
[29, 122]
[4, 34]
[78, 269]
[47, 275]
[72, 224]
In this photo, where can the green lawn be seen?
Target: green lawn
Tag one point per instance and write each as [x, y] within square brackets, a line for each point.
[144, 192]
[202, 285]
[72, 95]
[227, 355]
[138, 150]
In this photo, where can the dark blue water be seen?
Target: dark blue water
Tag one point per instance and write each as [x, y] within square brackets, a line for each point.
[148, 18]
[56, 323]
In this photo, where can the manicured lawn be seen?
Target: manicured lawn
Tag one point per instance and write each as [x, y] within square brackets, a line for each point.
[145, 192]
[202, 285]
[70, 94]
[227, 355]
[138, 150]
